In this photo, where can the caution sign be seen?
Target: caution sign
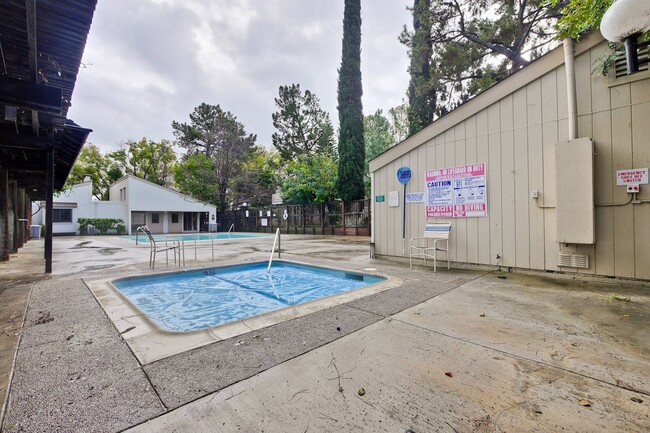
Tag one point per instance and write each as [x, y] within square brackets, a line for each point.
[456, 192]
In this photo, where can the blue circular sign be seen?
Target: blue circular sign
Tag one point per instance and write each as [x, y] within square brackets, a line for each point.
[404, 175]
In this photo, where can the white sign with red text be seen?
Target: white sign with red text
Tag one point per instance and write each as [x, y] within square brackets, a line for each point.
[637, 175]
[456, 192]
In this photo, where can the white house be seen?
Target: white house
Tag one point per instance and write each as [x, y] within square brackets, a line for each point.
[135, 201]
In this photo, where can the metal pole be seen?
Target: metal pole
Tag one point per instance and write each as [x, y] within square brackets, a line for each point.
[632, 54]
[404, 221]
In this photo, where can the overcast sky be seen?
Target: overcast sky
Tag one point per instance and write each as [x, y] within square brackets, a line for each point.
[149, 62]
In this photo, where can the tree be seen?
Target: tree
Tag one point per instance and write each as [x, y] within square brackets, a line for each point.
[473, 49]
[399, 124]
[195, 175]
[218, 135]
[146, 159]
[579, 16]
[258, 179]
[303, 127]
[351, 146]
[422, 86]
[310, 179]
[377, 135]
[101, 169]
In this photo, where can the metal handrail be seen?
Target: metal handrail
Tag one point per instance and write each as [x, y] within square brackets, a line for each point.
[136, 234]
[232, 226]
[276, 239]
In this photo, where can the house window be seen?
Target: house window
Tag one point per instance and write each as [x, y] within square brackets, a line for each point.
[62, 215]
[174, 218]
[155, 218]
[122, 194]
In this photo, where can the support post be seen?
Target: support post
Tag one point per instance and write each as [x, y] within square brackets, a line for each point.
[4, 213]
[49, 210]
[14, 211]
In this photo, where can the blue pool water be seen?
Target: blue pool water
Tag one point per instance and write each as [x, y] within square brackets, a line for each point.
[193, 300]
[142, 238]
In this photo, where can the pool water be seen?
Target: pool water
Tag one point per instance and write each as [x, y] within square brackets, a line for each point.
[188, 301]
[142, 238]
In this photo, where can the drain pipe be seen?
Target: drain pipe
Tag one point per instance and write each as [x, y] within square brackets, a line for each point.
[572, 99]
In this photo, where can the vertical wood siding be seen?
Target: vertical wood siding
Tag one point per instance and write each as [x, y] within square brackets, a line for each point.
[516, 138]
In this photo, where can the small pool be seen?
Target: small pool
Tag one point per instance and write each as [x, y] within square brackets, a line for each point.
[192, 300]
[142, 238]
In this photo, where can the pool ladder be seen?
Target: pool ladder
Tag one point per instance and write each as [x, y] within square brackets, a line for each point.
[276, 240]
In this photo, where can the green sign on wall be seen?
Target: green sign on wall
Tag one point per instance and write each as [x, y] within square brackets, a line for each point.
[380, 198]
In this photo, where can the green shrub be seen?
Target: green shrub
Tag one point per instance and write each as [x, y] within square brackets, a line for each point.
[101, 224]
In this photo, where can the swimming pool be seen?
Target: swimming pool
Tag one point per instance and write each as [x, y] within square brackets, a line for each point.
[197, 237]
[194, 300]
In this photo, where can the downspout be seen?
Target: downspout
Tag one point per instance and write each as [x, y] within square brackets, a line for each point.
[572, 99]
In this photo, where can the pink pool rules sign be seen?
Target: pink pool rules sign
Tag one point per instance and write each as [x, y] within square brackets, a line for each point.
[456, 192]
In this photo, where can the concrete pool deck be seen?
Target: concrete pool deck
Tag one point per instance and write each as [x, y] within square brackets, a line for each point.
[457, 351]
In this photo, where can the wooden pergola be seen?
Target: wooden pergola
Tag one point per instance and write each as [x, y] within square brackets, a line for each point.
[41, 46]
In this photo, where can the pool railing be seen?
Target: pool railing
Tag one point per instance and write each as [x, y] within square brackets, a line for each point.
[276, 239]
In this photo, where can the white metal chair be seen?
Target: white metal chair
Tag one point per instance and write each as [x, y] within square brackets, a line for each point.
[420, 247]
[170, 245]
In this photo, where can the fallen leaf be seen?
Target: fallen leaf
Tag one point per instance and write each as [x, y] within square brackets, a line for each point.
[449, 373]
[636, 400]
[361, 391]
[585, 403]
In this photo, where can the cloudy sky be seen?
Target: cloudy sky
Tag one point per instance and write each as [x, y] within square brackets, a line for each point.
[149, 62]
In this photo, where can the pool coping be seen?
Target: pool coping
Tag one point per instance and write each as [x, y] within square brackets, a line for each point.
[150, 343]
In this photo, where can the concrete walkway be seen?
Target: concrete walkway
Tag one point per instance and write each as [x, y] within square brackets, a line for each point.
[458, 351]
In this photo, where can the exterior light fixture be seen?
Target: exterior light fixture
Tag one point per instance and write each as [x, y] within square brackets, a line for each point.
[625, 21]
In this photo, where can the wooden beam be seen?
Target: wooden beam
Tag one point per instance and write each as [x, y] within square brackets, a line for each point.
[31, 96]
[49, 207]
[4, 208]
[24, 138]
[30, 7]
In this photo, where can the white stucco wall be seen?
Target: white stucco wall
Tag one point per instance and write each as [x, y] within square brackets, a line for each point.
[147, 196]
[140, 195]
[80, 195]
[144, 196]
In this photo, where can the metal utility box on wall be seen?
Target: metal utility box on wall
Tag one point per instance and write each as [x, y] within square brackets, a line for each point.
[574, 168]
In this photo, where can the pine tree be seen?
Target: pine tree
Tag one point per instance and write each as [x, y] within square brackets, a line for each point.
[458, 50]
[303, 128]
[421, 91]
[351, 145]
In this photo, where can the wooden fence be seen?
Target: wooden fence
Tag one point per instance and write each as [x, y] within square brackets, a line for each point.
[336, 218]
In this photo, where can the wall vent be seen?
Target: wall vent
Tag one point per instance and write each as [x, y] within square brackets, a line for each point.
[568, 260]
[564, 259]
[580, 261]
[620, 64]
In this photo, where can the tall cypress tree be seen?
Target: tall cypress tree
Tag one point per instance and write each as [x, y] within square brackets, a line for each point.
[351, 145]
[421, 92]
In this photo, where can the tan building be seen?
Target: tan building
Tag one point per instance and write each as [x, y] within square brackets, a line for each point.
[552, 203]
